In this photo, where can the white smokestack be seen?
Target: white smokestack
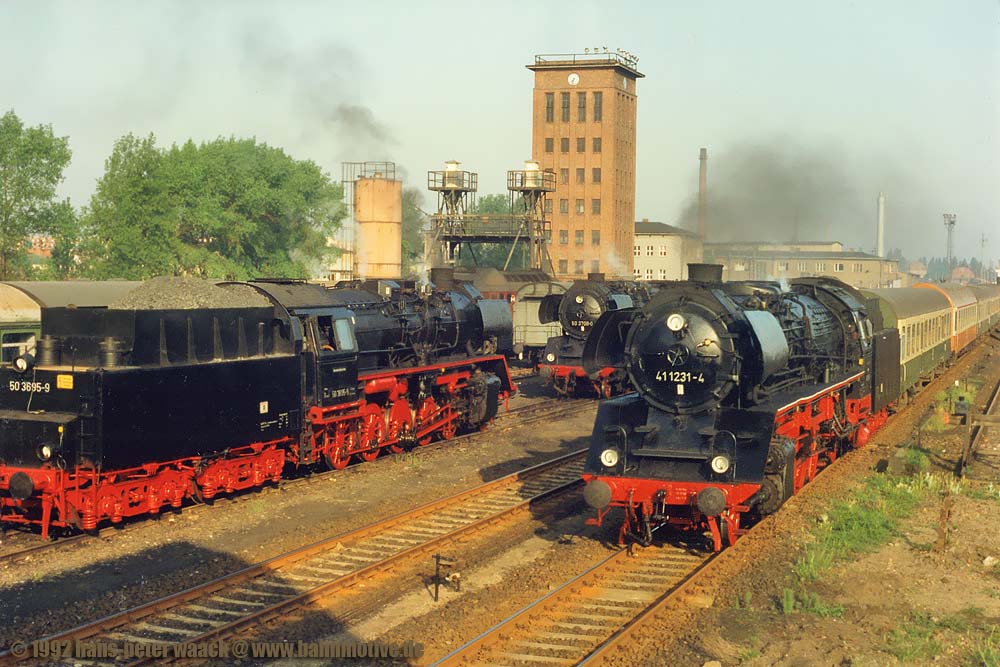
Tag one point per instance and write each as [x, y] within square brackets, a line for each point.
[880, 234]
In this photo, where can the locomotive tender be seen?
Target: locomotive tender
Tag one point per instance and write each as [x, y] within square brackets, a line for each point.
[127, 410]
[577, 311]
[745, 390]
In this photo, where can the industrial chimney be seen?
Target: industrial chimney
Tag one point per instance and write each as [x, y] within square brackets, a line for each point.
[702, 191]
[880, 231]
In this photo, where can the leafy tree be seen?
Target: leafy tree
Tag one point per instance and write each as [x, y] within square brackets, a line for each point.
[230, 208]
[60, 222]
[494, 254]
[32, 160]
[413, 235]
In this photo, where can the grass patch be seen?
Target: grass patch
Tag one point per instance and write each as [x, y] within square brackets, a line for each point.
[986, 651]
[864, 521]
[916, 459]
[807, 602]
[915, 640]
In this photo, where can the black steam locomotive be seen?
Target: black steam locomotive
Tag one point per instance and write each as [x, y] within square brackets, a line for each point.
[744, 391]
[127, 410]
[577, 310]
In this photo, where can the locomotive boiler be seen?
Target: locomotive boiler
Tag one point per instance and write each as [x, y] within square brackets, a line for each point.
[185, 389]
[577, 311]
[744, 390]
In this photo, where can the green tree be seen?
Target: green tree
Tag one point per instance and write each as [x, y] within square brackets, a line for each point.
[494, 254]
[230, 208]
[32, 161]
[60, 222]
[413, 225]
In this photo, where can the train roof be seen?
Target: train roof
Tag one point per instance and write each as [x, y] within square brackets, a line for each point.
[294, 294]
[985, 291]
[79, 293]
[907, 302]
[958, 295]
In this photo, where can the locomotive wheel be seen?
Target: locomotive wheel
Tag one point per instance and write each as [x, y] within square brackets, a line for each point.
[372, 431]
[338, 458]
[424, 415]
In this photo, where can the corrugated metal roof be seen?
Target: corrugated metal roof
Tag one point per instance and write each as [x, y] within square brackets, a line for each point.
[959, 295]
[907, 302]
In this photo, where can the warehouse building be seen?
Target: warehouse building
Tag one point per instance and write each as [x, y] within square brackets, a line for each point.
[662, 251]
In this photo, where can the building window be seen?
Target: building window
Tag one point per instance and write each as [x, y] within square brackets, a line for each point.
[649, 251]
[550, 144]
[579, 207]
[596, 174]
[565, 107]
[637, 273]
[578, 236]
[739, 265]
[638, 251]
[595, 236]
[859, 267]
[564, 145]
[663, 274]
[803, 266]
[578, 266]
[548, 205]
[821, 266]
[563, 237]
[838, 266]
[649, 274]
[663, 251]
[581, 107]
[581, 144]
[550, 107]
[564, 176]
[563, 266]
[595, 265]
[581, 176]
[598, 104]
[595, 206]
[564, 206]
[597, 144]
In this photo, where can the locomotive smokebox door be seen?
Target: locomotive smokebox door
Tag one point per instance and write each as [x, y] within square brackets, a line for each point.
[332, 330]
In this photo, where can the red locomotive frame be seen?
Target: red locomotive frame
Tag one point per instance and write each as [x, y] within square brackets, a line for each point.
[386, 417]
[800, 421]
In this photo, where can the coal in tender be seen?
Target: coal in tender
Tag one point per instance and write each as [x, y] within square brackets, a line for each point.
[181, 293]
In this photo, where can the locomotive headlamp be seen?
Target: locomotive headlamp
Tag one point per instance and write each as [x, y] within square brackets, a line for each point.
[720, 464]
[579, 298]
[675, 322]
[550, 357]
[24, 362]
[609, 458]
[46, 451]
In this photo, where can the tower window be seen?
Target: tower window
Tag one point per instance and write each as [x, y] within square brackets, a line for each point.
[564, 145]
[563, 237]
[581, 145]
[595, 234]
[564, 176]
[581, 107]
[595, 206]
[578, 266]
[596, 175]
[597, 144]
[581, 175]
[563, 266]
[564, 206]
[598, 106]
[550, 144]
[550, 107]
[565, 107]
[579, 210]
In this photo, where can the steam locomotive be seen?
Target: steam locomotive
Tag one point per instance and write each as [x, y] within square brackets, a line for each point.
[130, 409]
[746, 390]
[577, 310]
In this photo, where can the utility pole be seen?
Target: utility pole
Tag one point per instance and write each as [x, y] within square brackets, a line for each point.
[949, 223]
[982, 256]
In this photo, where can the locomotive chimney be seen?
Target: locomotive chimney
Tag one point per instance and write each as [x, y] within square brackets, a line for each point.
[595, 277]
[443, 277]
[702, 192]
[705, 273]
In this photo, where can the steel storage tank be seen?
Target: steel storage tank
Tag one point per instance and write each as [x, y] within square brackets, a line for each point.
[378, 212]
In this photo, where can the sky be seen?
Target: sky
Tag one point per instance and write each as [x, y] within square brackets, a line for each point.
[808, 110]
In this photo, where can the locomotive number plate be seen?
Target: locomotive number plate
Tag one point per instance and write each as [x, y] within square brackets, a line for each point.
[680, 376]
[25, 385]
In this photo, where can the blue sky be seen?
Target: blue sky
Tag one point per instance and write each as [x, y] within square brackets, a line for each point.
[837, 100]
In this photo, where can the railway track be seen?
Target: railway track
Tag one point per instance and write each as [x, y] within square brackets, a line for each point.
[270, 589]
[527, 414]
[978, 433]
[570, 623]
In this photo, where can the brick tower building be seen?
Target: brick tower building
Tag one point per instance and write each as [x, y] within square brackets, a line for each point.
[583, 129]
